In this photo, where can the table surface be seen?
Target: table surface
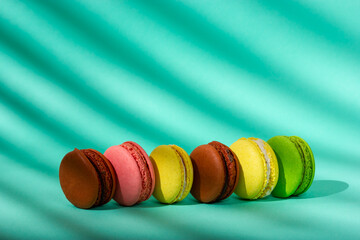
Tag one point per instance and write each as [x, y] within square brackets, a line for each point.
[94, 74]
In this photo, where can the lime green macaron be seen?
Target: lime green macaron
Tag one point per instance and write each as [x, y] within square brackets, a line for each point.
[259, 171]
[296, 165]
[173, 173]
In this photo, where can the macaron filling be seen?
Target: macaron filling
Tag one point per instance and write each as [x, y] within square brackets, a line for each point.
[143, 168]
[104, 174]
[184, 183]
[267, 189]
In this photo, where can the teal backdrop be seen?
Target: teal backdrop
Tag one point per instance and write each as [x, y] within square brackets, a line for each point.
[91, 74]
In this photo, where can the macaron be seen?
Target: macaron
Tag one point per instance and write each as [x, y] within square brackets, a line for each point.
[87, 178]
[216, 172]
[135, 178]
[259, 169]
[173, 173]
[296, 165]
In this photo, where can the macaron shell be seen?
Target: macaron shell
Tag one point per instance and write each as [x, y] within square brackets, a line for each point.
[209, 173]
[188, 168]
[309, 166]
[129, 180]
[169, 174]
[252, 174]
[79, 180]
[149, 165]
[290, 166]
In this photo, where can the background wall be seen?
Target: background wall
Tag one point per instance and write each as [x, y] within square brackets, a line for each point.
[91, 74]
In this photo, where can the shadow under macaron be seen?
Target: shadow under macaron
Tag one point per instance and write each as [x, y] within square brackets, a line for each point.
[318, 189]
[152, 202]
[113, 205]
[324, 188]
[188, 201]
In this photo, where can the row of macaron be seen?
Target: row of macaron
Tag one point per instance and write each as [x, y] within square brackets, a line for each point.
[251, 168]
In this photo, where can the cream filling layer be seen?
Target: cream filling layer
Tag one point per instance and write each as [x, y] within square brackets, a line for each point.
[261, 145]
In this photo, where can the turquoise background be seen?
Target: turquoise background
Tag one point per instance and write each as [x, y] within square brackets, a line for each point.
[91, 74]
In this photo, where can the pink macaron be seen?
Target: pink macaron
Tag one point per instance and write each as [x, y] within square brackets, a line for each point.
[135, 178]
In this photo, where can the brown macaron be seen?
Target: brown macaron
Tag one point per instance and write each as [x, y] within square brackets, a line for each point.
[216, 172]
[87, 178]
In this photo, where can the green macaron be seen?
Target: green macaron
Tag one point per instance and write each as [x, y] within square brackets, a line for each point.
[296, 165]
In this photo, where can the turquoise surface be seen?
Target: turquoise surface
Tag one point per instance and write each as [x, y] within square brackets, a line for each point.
[91, 74]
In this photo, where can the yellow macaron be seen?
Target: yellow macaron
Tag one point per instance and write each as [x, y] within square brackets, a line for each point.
[173, 173]
[259, 170]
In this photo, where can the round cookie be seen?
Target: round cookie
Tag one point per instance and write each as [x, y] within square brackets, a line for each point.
[87, 178]
[135, 178]
[216, 172]
[296, 165]
[173, 173]
[259, 169]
